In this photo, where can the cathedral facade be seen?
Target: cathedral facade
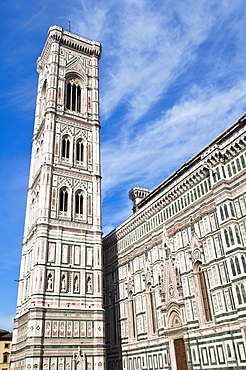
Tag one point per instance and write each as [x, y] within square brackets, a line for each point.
[174, 272]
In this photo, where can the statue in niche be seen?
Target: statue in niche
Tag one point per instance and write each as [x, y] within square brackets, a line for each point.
[76, 284]
[89, 284]
[50, 282]
[63, 282]
[79, 360]
[178, 278]
[51, 254]
[64, 254]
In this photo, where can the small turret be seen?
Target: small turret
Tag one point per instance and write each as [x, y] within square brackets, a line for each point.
[136, 194]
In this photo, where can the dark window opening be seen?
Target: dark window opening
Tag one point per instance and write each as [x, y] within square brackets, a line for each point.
[237, 265]
[73, 96]
[63, 204]
[226, 211]
[244, 263]
[79, 203]
[239, 297]
[79, 151]
[205, 298]
[233, 268]
[231, 236]
[65, 147]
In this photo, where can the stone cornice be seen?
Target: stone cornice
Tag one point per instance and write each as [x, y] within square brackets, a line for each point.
[70, 40]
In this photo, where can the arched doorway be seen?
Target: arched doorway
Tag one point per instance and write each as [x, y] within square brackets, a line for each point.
[177, 340]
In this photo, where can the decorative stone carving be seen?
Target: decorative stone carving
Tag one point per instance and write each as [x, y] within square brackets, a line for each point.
[76, 284]
[79, 360]
[64, 282]
[89, 283]
[50, 281]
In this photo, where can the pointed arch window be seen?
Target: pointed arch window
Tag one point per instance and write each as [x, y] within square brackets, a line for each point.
[151, 309]
[65, 147]
[243, 161]
[226, 211]
[237, 235]
[232, 209]
[79, 203]
[243, 293]
[63, 201]
[114, 321]
[132, 320]
[233, 267]
[204, 293]
[239, 297]
[221, 213]
[194, 355]
[244, 263]
[80, 151]
[227, 238]
[43, 100]
[228, 350]
[237, 265]
[73, 96]
[231, 236]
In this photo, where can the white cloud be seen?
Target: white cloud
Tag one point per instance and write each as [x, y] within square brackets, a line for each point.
[152, 45]
[149, 48]
[164, 144]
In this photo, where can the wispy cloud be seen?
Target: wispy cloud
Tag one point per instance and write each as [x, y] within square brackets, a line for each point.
[165, 143]
[172, 79]
[147, 46]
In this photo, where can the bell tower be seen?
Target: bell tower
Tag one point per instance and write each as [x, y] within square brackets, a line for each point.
[59, 321]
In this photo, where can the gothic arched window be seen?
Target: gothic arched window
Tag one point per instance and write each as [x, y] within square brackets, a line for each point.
[65, 147]
[243, 293]
[237, 265]
[204, 293]
[43, 100]
[231, 236]
[132, 321]
[227, 238]
[232, 209]
[221, 213]
[73, 98]
[244, 263]
[79, 200]
[63, 200]
[80, 151]
[226, 211]
[237, 235]
[233, 267]
[239, 297]
[151, 308]
[228, 350]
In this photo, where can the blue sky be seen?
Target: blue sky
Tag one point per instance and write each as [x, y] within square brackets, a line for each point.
[172, 77]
